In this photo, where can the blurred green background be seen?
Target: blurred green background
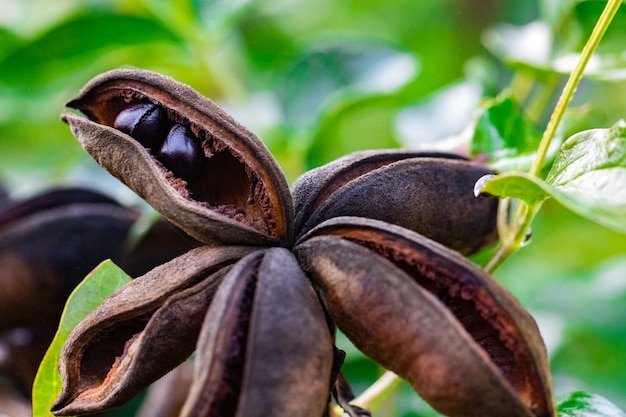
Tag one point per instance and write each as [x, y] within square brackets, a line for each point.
[316, 80]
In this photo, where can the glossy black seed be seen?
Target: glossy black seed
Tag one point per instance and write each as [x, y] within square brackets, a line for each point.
[181, 153]
[145, 122]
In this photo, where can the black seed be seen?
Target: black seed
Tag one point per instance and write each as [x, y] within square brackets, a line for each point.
[145, 122]
[181, 154]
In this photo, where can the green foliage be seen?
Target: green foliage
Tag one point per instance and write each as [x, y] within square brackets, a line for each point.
[29, 65]
[503, 133]
[580, 404]
[98, 285]
[586, 14]
[588, 177]
[319, 79]
[550, 47]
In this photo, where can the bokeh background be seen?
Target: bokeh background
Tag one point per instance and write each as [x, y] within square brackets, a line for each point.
[316, 80]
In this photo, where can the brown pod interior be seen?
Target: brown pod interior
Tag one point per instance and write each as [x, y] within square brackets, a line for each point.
[121, 360]
[265, 347]
[140, 332]
[204, 154]
[491, 316]
[222, 182]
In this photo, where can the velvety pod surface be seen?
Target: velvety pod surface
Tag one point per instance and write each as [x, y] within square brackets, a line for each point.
[372, 243]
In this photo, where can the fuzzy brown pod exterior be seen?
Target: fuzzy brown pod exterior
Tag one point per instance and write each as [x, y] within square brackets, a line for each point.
[463, 341]
[372, 243]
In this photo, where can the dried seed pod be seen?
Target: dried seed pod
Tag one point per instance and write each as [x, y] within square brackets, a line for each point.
[48, 244]
[461, 340]
[430, 193]
[180, 154]
[146, 122]
[37, 273]
[415, 306]
[140, 332]
[312, 188]
[238, 195]
[48, 200]
[265, 348]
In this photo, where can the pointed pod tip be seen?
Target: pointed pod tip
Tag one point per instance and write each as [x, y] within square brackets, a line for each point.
[72, 104]
[58, 406]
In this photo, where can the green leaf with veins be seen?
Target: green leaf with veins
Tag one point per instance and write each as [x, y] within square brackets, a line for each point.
[501, 129]
[588, 177]
[589, 152]
[99, 284]
[580, 404]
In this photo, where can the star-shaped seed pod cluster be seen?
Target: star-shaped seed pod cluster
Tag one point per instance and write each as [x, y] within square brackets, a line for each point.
[372, 243]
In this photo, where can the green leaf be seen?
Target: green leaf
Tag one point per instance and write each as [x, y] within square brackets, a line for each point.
[78, 41]
[580, 404]
[590, 170]
[531, 190]
[502, 131]
[588, 177]
[591, 204]
[8, 41]
[588, 152]
[99, 284]
[261, 36]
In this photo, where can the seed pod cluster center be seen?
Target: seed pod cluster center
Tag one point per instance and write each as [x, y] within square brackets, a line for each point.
[373, 243]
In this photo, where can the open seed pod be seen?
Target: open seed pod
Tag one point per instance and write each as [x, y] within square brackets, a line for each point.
[265, 348]
[430, 193]
[265, 343]
[185, 156]
[140, 332]
[462, 341]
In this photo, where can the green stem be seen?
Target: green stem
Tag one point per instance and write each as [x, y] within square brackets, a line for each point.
[513, 236]
[572, 83]
[502, 252]
[521, 84]
[372, 397]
